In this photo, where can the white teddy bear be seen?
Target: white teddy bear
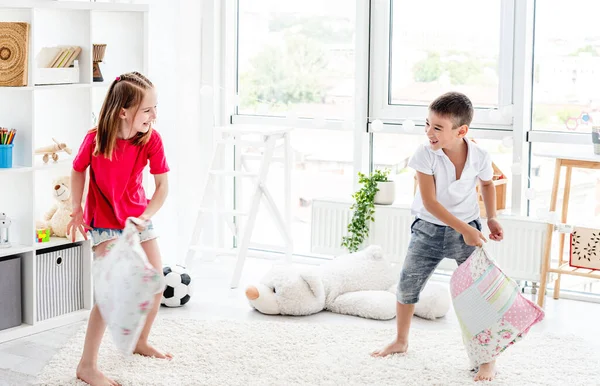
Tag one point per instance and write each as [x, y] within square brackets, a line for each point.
[57, 218]
[360, 284]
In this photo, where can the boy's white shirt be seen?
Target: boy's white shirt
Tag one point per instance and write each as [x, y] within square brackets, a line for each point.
[457, 196]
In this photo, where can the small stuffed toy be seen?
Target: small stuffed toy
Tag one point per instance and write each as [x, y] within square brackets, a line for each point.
[360, 284]
[57, 218]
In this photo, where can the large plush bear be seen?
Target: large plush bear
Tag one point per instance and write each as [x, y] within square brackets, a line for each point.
[361, 284]
[57, 218]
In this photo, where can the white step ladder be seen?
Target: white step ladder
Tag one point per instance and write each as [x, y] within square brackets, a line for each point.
[245, 135]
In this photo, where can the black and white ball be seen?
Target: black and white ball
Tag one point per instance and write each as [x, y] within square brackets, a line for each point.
[178, 289]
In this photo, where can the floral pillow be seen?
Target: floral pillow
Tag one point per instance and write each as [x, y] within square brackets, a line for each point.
[125, 284]
[492, 312]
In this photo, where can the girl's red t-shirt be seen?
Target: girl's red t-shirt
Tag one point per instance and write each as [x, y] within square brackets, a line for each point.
[115, 186]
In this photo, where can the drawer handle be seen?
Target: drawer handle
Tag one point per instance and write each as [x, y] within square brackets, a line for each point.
[59, 260]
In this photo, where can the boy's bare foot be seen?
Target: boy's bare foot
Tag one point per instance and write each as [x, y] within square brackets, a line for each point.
[93, 376]
[396, 347]
[149, 351]
[487, 372]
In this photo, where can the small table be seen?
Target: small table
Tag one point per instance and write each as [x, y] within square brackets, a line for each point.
[569, 161]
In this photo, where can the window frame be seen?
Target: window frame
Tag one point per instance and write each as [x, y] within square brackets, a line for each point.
[382, 109]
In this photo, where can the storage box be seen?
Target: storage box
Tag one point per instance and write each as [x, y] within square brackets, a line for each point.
[59, 281]
[10, 291]
[49, 70]
[46, 76]
[585, 248]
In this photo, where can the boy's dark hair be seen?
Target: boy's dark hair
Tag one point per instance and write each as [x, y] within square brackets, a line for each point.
[454, 105]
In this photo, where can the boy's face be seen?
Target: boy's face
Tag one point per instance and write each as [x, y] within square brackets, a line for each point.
[441, 132]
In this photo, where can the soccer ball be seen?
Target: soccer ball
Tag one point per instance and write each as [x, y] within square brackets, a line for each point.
[178, 289]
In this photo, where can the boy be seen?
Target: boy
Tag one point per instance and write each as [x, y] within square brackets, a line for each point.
[447, 221]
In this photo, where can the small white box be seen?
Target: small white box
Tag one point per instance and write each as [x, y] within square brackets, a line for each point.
[46, 76]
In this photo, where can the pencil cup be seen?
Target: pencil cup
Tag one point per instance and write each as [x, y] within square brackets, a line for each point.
[6, 156]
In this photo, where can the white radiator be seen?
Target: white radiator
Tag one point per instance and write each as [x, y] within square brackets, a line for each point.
[519, 254]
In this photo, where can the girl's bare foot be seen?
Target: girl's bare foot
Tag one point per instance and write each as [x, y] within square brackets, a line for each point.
[92, 376]
[146, 350]
[487, 372]
[396, 347]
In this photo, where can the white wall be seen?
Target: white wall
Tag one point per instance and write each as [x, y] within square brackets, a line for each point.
[174, 68]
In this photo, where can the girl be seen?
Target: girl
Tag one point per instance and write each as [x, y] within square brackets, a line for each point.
[117, 151]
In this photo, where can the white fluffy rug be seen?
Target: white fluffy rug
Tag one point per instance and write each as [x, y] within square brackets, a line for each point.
[297, 353]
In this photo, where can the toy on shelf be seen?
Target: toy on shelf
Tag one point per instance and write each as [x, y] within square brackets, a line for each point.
[52, 150]
[4, 231]
[42, 235]
[99, 50]
[58, 217]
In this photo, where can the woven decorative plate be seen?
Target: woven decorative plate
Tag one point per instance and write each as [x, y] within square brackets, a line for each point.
[14, 47]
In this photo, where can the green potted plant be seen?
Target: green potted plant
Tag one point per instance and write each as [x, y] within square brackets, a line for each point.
[364, 206]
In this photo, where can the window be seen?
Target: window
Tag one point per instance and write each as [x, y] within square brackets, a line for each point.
[393, 151]
[566, 65]
[296, 56]
[319, 170]
[445, 50]
[465, 46]
[584, 201]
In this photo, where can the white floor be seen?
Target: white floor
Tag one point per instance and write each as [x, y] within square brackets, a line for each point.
[21, 360]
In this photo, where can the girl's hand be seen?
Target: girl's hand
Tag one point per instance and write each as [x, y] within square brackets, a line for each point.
[146, 219]
[496, 232]
[77, 224]
[473, 237]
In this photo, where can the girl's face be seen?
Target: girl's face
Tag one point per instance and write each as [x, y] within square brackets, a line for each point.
[144, 115]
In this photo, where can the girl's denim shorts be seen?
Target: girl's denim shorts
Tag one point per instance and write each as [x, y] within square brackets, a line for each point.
[101, 235]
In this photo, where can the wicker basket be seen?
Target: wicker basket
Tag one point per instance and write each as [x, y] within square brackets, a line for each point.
[14, 50]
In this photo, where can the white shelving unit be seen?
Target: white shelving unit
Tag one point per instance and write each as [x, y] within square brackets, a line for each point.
[65, 112]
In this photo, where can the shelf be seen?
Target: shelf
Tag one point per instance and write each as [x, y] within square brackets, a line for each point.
[62, 111]
[29, 329]
[51, 165]
[75, 5]
[61, 86]
[16, 169]
[101, 84]
[47, 87]
[15, 249]
[566, 269]
[54, 242]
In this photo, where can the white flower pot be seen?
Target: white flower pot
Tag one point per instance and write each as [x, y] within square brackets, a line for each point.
[386, 193]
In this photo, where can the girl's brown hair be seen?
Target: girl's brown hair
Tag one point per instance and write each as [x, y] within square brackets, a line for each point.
[125, 91]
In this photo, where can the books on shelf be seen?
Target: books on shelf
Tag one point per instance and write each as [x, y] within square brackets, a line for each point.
[57, 65]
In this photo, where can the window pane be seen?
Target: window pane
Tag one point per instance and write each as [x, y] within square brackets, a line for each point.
[298, 56]
[320, 170]
[445, 50]
[584, 202]
[394, 150]
[566, 65]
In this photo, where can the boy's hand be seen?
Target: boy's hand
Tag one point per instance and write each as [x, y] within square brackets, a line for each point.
[77, 224]
[496, 232]
[473, 237]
